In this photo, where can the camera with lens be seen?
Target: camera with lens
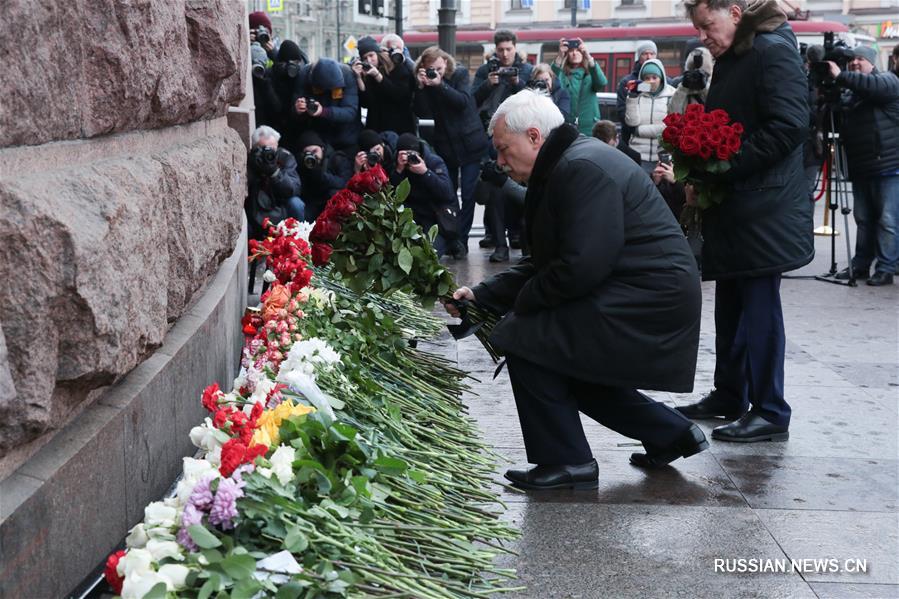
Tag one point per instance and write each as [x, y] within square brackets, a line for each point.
[311, 161]
[397, 56]
[372, 158]
[259, 58]
[312, 105]
[493, 64]
[819, 71]
[413, 158]
[695, 78]
[263, 35]
[264, 159]
[538, 84]
[574, 44]
[507, 71]
[431, 73]
[367, 66]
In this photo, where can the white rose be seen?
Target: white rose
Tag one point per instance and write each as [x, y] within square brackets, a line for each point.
[176, 574]
[215, 457]
[206, 437]
[137, 537]
[263, 388]
[282, 463]
[135, 562]
[159, 514]
[163, 549]
[269, 277]
[160, 533]
[138, 585]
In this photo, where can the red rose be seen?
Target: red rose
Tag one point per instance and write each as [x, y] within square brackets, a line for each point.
[738, 128]
[708, 120]
[705, 152]
[324, 230]
[722, 153]
[690, 145]
[733, 144]
[673, 120]
[691, 131]
[694, 109]
[211, 395]
[671, 134]
[321, 253]
[111, 574]
[346, 194]
[726, 130]
[342, 207]
[721, 116]
[369, 181]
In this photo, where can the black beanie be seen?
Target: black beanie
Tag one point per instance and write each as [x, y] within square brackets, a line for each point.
[309, 138]
[368, 139]
[408, 141]
[290, 51]
[367, 44]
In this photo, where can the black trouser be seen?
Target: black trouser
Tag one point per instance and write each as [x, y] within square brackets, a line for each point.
[500, 215]
[549, 404]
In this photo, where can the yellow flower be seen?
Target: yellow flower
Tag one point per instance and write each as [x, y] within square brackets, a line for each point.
[270, 421]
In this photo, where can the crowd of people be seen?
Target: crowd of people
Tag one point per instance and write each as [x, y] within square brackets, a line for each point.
[310, 118]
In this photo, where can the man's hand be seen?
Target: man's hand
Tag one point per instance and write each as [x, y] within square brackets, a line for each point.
[402, 159]
[357, 68]
[420, 168]
[834, 69]
[690, 195]
[493, 78]
[663, 171]
[462, 293]
[361, 162]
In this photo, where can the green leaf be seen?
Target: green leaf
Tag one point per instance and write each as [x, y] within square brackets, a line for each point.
[212, 556]
[418, 476]
[239, 566]
[203, 537]
[157, 592]
[405, 260]
[209, 587]
[389, 465]
[681, 170]
[296, 541]
[402, 191]
[291, 590]
[343, 432]
[432, 233]
[246, 589]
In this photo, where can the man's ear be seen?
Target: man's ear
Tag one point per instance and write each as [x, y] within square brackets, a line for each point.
[736, 13]
[534, 135]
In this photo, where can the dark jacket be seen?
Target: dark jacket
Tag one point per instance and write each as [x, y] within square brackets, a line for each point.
[765, 225]
[562, 99]
[430, 192]
[621, 103]
[321, 183]
[274, 96]
[267, 194]
[389, 103]
[870, 123]
[489, 97]
[340, 123]
[611, 292]
[459, 135]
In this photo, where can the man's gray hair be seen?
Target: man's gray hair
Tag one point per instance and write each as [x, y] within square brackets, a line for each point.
[265, 131]
[392, 37]
[692, 5]
[528, 108]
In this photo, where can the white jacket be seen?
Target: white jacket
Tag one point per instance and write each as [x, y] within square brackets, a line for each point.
[645, 113]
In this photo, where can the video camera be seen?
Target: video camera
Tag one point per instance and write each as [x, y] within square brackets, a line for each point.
[819, 71]
[494, 66]
[695, 78]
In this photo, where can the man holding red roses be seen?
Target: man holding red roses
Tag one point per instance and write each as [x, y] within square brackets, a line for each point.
[764, 226]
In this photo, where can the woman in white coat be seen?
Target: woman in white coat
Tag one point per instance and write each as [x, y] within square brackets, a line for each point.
[647, 106]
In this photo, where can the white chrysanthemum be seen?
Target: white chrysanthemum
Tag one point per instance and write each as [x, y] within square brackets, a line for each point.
[207, 437]
[159, 514]
[163, 549]
[260, 393]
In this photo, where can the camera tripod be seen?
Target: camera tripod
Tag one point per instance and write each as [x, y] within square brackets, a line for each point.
[837, 196]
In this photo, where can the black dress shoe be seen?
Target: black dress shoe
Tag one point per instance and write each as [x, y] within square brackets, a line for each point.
[691, 442]
[749, 429]
[582, 476]
[459, 250]
[500, 255]
[487, 241]
[881, 278]
[709, 407]
[859, 274]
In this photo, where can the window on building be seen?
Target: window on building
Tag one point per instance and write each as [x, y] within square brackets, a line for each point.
[329, 46]
[580, 4]
[304, 45]
[372, 7]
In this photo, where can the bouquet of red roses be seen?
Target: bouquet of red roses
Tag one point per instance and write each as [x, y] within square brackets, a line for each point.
[701, 141]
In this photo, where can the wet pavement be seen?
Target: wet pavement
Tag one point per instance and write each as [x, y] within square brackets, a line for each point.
[830, 492]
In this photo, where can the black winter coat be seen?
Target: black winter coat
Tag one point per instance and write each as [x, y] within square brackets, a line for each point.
[610, 293]
[267, 195]
[870, 125]
[321, 183]
[430, 192]
[341, 121]
[459, 135]
[489, 97]
[274, 96]
[765, 225]
[389, 103]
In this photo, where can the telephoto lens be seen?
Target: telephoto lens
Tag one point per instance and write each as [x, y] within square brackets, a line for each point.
[397, 56]
[431, 73]
[310, 160]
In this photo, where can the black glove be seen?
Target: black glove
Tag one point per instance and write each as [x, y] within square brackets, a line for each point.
[493, 174]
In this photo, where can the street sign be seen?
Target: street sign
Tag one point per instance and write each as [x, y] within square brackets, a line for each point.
[275, 6]
[350, 43]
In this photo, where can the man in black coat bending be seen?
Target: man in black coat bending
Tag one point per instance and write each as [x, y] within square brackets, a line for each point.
[608, 302]
[764, 227]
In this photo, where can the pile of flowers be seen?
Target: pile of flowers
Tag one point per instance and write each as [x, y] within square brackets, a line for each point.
[338, 448]
[702, 142]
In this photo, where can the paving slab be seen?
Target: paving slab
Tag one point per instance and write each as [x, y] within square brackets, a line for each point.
[838, 590]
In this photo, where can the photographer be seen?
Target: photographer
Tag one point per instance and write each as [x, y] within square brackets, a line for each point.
[646, 50]
[272, 181]
[261, 33]
[543, 79]
[323, 171]
[386, 85]
[274, 91]
[459, 136]
[582, 78]
[502, 75]
[647, 106]
[374, 148]
[328, 103]
[431, 196]
[694, 84]
[870, 134]
[504, 203]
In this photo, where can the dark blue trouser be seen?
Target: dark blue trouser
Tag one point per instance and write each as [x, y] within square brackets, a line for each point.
[548, 409]
[469, 179]
[749, 347]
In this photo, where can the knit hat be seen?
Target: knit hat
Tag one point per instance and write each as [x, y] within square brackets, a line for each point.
[408, 141]
[368, 139]
[260, 18]
[326, 74]
[290, 51]
[309, 138]
[866, 52]
[644, 46]
[651, 68]
[367, 44]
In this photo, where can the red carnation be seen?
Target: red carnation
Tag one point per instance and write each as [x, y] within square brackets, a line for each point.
[325, 230]
[111, 574]
[321, 253]
[211, 396]
[690, 145]
[233, 452]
